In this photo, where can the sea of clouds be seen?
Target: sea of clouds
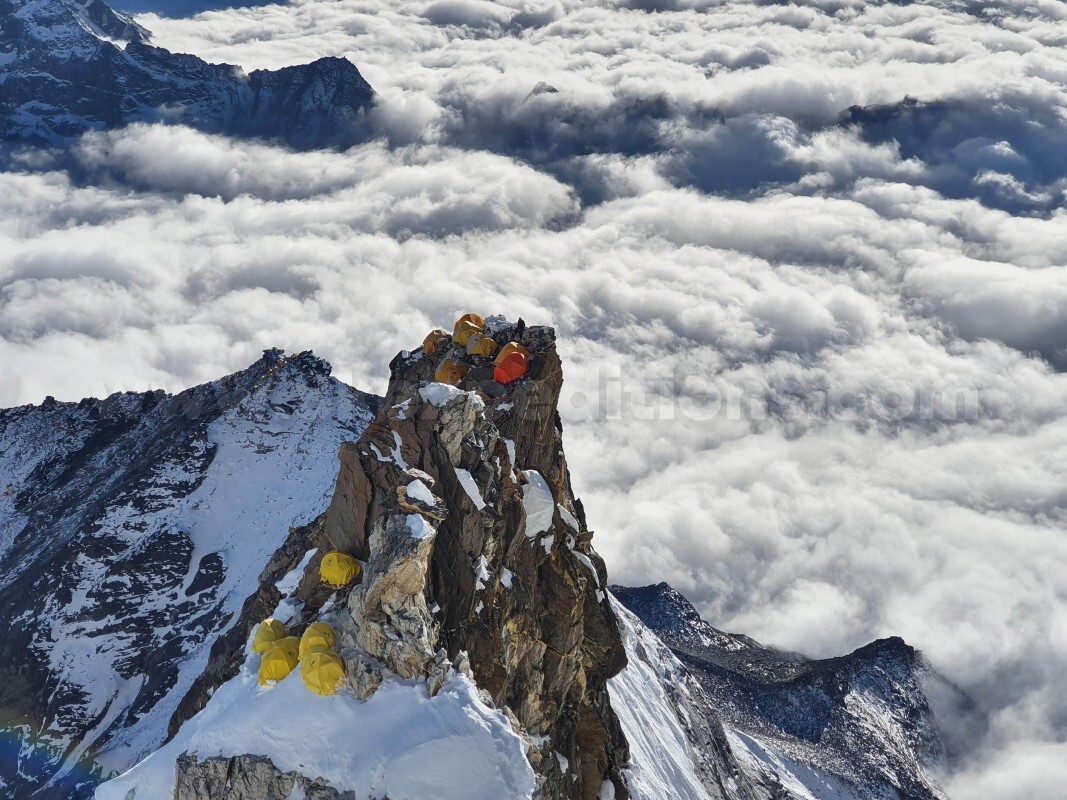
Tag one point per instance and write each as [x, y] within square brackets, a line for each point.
[806, 263]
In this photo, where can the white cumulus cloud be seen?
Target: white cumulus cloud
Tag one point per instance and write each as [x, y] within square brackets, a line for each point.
[814, 357]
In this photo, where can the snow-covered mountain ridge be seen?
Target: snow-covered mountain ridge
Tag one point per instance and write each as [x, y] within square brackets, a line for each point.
[131, 531]
[864, 720]
[71, 66]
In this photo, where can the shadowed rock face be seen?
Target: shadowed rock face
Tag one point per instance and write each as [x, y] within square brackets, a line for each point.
[69, 67]
[465, 571]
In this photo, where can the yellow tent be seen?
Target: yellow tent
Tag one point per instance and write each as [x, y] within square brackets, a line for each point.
[450, 372]
[280, 660]
[322, 670]
[268, 632]
[466, 326]
[432, 340]
[318, 634]
[471, 319]
[339, 569]
[479, 345]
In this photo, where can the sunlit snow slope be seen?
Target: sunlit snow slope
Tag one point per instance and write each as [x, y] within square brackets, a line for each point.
[401, 743]
[680, 748]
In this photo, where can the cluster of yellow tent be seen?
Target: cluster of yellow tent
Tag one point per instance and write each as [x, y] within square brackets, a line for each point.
[321, 668]
[510, 364]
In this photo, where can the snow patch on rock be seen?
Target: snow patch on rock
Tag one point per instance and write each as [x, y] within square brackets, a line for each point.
[538, 503]
[287, 585]
[482, 571]
[466, 480]
[441, 394]
[569, 518]
[417, 490]
[418, 527]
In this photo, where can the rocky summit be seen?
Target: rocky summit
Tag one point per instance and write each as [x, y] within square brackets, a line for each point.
[72, 66]
[479, 653]
[477, 559]
[501, 571]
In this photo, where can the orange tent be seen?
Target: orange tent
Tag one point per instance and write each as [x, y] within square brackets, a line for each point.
[473, 319]
[513, 367]
[508, 349]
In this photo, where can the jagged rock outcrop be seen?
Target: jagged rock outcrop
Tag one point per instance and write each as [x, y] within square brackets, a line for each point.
[460, 501]
[67, 67]
[246, 777]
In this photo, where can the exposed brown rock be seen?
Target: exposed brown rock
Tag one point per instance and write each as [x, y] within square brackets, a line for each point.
[542, 649]
[349, 512]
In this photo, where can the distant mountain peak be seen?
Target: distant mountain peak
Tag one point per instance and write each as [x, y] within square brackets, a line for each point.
[661, 601]
[108, 22]
[890, 647]
[60, 22]
[862, 717]
[72, 66]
